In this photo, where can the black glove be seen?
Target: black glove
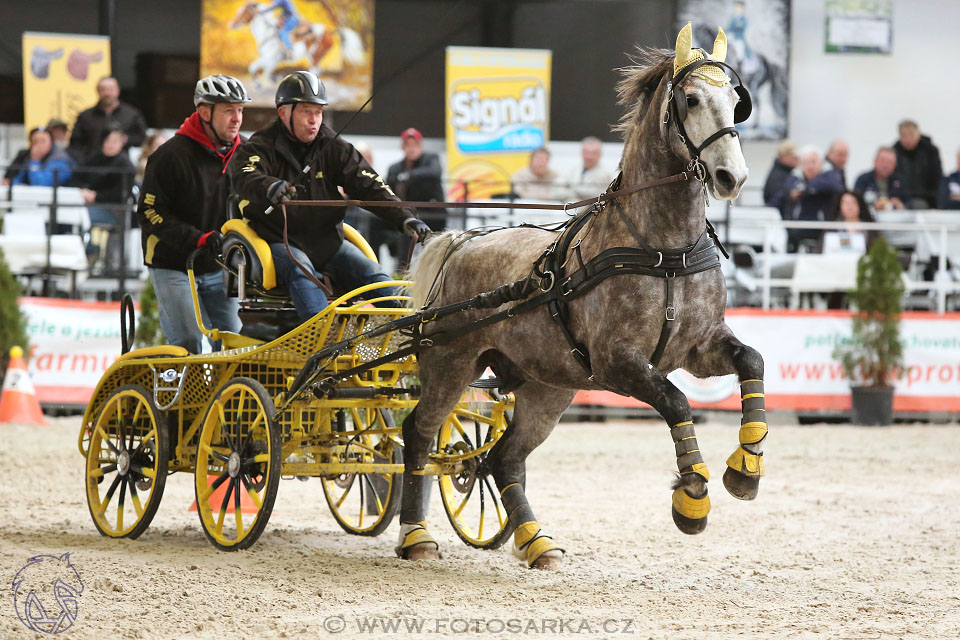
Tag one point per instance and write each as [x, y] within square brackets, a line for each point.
[416, 229]
[281, 191]
[212, 240]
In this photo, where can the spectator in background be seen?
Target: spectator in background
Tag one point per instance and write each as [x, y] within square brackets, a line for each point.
[808, 195]
[949, 196]
[884, 187]
[850, 208]
[837, 156]
[592, 179]
[537, 180]
[417, 178]
[919, 163]
[108, 113]
[58, 130]
[785, 162]
[150, 144]
[40, 163]
[106, 177]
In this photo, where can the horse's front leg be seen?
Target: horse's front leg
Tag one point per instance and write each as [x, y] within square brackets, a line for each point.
[624, 369]
[725, 354]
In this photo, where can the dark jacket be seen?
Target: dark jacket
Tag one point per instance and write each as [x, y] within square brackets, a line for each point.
[17, 164]
[110, 176]
[949, 195]
[897, 187]
[422, 184]
[271, 155]
[88, 130]
[778, 175]
[183, 196]
[816, 200]
[922, 170]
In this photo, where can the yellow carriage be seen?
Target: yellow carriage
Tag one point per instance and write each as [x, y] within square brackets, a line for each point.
[317, 401]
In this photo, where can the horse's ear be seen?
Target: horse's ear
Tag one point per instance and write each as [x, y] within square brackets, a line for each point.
[720, 46]
[684, 48]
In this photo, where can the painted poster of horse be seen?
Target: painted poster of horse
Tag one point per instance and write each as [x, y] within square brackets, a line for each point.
[758, 32]
[261, 41]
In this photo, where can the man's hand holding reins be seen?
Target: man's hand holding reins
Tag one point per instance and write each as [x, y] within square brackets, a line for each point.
[281, 191]
[416, 229]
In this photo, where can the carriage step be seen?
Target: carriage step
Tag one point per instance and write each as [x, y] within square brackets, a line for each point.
[487, 383]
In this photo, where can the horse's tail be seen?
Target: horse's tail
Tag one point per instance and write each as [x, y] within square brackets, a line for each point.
[424, 271]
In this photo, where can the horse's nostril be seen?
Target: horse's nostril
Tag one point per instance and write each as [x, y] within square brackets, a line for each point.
[725, 179]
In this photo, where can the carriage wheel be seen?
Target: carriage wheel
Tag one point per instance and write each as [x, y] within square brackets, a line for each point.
[239, 448]
[364, 504]
[470, 498]
[126, 463]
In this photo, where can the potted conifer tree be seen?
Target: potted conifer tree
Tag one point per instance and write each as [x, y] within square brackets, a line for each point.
[13, 323]
[874, 352]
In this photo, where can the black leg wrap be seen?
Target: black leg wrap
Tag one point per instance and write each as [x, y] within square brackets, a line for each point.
[515, 504]
[416, 497]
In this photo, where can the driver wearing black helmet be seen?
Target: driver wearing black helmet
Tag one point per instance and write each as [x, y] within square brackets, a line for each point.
[297, 156]
[182, 206]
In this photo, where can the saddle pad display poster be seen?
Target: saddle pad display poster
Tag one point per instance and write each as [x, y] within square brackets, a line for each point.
[60, 75]
[758, 47]
[498, 111]
[260, 42]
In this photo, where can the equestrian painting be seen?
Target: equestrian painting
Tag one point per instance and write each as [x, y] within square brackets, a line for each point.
[631, 290]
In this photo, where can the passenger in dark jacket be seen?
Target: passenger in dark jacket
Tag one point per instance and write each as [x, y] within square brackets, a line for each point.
[182, 207]
[784, 164]
[949, 196]
[808, 195]
[919, 162]
[298, 157]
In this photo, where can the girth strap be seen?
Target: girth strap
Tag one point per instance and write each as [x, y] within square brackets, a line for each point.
[669, 317]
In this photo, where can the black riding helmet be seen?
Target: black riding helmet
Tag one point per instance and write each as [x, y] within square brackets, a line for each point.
[301, 86]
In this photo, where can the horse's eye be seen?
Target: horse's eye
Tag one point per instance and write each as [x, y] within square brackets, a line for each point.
[692, 102]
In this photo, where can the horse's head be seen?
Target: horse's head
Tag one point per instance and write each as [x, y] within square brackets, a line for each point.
[700, 110]
[244, 15]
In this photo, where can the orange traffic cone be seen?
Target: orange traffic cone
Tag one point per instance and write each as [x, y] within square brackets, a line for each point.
[216, 498]
[18, 400]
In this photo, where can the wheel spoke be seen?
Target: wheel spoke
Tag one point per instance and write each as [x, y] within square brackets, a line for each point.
[146, 472]
[136, 499]
[362, 509]
[376, 495]
[110, 468]
[480, 528]
[105, 438]
[236, 510]
[147, 438]
[223, 426]
[123, 491]
[461, 431]
[346, 492]
[223, 506]
[211, 487]
[465, 501]
[254, 496]
[109, 495]
[496, 501]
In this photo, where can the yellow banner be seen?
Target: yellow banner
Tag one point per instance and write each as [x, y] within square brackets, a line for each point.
[498, 111]
[261, 41]
[60, 75]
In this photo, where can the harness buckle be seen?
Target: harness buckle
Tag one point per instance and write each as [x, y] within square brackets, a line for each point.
[659, 259]
[426, 342]
[683, 257]
[563, 288]
[552, 281]
[671, 314]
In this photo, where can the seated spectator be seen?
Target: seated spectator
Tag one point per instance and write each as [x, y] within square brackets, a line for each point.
[537, 181]
[41, 163]
[949, 196]
[106, 177]
[849, 208]
[808, 195]
[884, 187]
[785, 162]
[150, 144]
[592, 179]
[58, 129]
[837, 156]
[919, 163]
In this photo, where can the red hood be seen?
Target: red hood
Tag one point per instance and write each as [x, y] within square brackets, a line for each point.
[193, 129]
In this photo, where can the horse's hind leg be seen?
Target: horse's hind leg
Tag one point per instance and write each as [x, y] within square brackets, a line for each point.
[537, 410]
[443, 376]
[626, 370]
[726, 355]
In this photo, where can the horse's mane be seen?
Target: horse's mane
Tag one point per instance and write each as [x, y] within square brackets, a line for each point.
[639, 81]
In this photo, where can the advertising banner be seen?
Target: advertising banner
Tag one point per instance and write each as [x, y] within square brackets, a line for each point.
[72, 343]
[261, 41]
[498, 111]
[801, 373]
[60, 75]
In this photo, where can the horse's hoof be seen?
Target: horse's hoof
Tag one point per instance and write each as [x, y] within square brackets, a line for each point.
[422, 551]
[689, 526]
[740, 486]
[549, 561]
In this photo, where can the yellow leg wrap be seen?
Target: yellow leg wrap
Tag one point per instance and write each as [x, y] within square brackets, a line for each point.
[693, 508]
[412, 534]
[529, 544]
[700, 469]
[749, 464]
[752, 432]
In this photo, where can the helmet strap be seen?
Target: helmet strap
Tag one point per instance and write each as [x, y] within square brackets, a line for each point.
[209, 130]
